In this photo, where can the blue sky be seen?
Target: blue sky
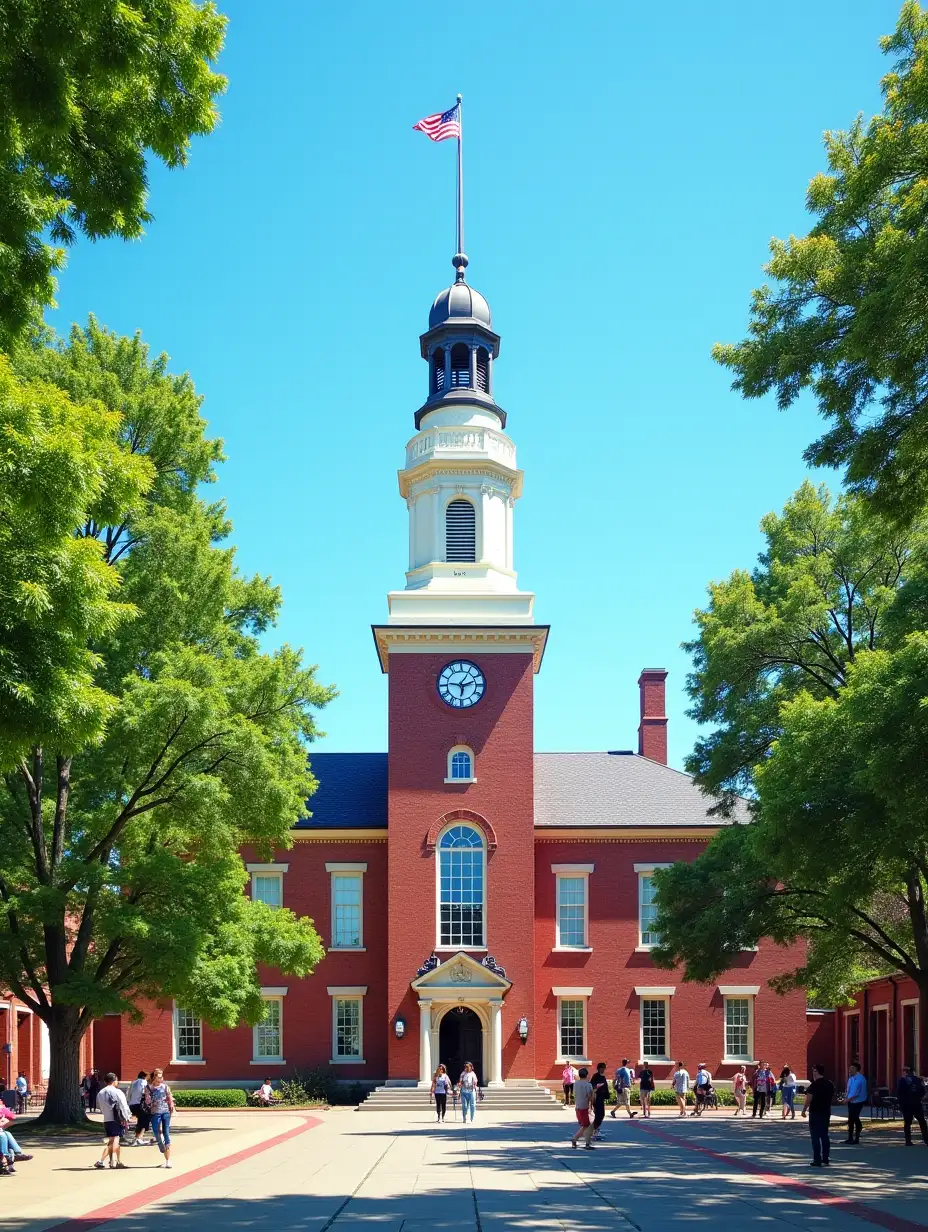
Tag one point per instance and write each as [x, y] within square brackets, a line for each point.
[626, 165]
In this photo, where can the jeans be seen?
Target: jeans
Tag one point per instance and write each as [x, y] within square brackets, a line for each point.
[853, 1122]
[468, 1100]
[161, 1128]
[821, 1143]
[8, 1144]
[760, 1103]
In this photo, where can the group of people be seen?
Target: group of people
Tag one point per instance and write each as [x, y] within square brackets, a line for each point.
[467, 1087]
[764, 1084]
[820, 1094]
[151, 1103]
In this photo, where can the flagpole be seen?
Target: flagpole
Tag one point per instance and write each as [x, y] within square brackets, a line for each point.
[460, 247]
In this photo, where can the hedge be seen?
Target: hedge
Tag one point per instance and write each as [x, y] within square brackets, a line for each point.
[210, 1099]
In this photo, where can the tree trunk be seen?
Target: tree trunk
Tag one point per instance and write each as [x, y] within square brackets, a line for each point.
[922, 1029]
[63, 1103]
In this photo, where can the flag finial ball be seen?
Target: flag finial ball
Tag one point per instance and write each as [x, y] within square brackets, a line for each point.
[459, 261]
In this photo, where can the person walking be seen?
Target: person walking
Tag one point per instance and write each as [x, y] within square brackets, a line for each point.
[583, 1095]
[600, 1085]
[739, 1085]
[820, 1094]
[787, 1085]
[856, 1097]
[759, 1087]
[116, 1117]
[162, 1109]
[136, 1101]
[568, 1078]
[703, 1088]
[623, 1089]
[910, 1091]
[680, 1081]
[94, 1086]
[468, 1086]
[645, 1088]
[441, 1089]
[22, 1092]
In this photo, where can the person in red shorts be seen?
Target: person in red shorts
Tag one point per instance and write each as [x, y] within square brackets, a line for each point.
[583, 1097]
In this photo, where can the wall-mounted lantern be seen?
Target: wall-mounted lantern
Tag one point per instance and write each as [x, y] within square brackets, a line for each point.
[523, 1029]
[400, 1027]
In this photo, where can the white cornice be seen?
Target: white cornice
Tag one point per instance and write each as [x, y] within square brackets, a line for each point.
[419, 639]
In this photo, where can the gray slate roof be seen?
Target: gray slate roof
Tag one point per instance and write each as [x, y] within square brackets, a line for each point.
[617, 789]
[571, 789]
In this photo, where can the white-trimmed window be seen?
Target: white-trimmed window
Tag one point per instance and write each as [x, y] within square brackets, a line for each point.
[347, 905]
[572, 915]
[654, 1017]
[267, 883]
[347, 1025]
[647, 905]
[908, 1016]
[461, 765]
[572, 1023]
[739, 1021]
[188, 1037]
[461, 887]
[268, 1034]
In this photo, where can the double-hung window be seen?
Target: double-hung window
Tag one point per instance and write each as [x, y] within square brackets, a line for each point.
[268, 1034]
[188, 1037]
[647, 905]
[654, 1014]
[267, 883]
[572, 1023]
[347, 905]
[739, 1021]
[572, 907]
[347, 1025]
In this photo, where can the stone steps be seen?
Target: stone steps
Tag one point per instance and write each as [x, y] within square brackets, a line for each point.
[412, 1099]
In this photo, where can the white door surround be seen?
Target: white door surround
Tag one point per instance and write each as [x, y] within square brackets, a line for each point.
[461, 980]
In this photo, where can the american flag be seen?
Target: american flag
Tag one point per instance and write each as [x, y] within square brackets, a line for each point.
[442, 125]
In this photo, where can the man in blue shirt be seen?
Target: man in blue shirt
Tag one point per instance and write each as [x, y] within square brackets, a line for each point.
[623, 1088]
[856, 1096]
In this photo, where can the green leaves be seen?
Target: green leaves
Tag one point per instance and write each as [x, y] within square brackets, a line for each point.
[90, 88]
[847, 316]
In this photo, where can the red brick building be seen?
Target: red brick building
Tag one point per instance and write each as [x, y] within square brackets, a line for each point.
[480, 900]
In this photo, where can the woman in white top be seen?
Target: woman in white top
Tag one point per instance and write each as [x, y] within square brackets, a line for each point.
[680, 1080]
[739, 1085]
[787, 1085]
[468, 1087]
[441, 1089]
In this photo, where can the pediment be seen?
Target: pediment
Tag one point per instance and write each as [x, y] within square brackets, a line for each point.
[461, 973]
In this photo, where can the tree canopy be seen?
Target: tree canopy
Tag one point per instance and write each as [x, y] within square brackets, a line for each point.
[120, 873]
[90, 89]
[814, 669]
[847, 314]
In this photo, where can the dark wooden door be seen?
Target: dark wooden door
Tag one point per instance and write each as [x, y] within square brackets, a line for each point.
[460, 1039]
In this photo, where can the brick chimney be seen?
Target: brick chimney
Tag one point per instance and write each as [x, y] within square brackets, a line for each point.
[652, 730]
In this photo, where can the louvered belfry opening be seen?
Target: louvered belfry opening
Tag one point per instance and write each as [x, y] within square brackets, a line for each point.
[438, 370]
[483, 370]
[460, 365]
[460, 531]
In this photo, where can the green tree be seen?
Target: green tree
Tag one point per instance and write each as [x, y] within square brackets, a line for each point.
[121, 876]
[847, 316]
[90, 88]
[816, 676]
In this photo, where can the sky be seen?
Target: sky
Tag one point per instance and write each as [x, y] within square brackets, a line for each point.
[626, 165]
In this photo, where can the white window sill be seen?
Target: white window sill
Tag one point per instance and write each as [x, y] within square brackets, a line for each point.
[644, 949]
[737, 1061]
[572, 1061]
[347, 949]
[347, 1061]
[269, 1061]
[187, 1061]
[572, 949]
[453, 949]
[658, 1061]
[461, 781]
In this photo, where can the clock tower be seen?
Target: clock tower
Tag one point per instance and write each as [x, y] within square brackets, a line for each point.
[461, 650]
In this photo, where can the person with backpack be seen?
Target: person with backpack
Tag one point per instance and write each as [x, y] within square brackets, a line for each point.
[623, 1089]
[910, 1092]
[703, 1088]
[116, 1116]
[137, 1106]
[645, 1089]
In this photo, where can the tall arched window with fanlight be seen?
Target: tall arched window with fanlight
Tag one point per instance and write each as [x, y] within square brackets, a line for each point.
[461, 882]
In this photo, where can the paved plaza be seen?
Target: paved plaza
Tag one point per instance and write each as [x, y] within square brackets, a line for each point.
[343, 1169]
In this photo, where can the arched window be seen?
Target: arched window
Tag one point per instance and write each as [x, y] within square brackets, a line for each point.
[460, 365]
[460, 765]
[460, 882]
[483, 370]
[460, 531]
[438, 370]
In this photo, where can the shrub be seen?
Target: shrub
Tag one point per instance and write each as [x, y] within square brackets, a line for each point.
[319, 1085]
[210, 1099]
[292, 1091]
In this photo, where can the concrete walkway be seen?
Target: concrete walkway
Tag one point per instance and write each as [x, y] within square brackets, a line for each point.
[356, 1171]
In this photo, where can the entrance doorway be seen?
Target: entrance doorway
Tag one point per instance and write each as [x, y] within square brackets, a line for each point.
[460, 1039]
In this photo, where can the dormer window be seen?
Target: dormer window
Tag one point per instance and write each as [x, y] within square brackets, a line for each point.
[460, 365]
[460, 765]
[460, 531]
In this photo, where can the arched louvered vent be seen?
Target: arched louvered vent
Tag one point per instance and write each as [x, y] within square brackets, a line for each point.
[460, 531]
[483, 370]
[438, 370]
[460, 365]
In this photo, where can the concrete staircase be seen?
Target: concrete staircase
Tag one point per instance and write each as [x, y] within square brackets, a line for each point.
[509, 1099]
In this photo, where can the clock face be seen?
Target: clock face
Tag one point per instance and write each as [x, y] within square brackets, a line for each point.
[461, 684]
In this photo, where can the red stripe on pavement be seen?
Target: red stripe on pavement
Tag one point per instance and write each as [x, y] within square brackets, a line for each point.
[134, 1202]
[882, 1219]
